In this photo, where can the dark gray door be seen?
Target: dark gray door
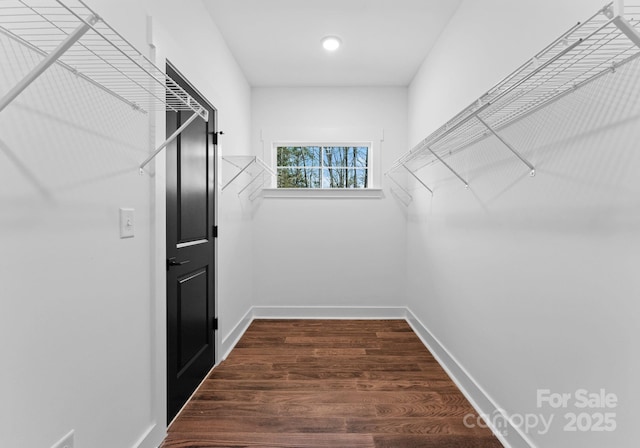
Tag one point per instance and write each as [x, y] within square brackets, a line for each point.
[190, 252]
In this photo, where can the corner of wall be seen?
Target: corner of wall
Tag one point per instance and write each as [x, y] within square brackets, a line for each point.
[500, 423]
[230, 341]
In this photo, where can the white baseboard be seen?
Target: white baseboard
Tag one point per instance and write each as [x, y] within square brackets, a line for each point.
[151, 438]
[328, 312]
[510, 436]
[234, 336]
[305, 312]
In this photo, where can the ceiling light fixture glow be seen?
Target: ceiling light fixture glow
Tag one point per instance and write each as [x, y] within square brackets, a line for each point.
[331, 43]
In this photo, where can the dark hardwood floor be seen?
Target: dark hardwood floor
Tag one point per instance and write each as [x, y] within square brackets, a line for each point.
[328, 383]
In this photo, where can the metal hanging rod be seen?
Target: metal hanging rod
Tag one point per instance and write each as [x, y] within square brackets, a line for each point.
[70, 34]
[589, 50]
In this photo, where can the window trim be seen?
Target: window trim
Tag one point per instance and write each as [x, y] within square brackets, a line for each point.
[323, 193]
[270, 136]
[323, 144]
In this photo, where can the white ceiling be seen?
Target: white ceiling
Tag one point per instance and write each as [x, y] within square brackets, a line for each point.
[277, 42]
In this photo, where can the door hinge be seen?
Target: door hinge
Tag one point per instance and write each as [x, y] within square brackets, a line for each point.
[214, 136]
[214, 231]
[215, 324]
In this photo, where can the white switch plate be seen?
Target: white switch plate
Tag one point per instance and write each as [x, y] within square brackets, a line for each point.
[65, 442]
[127, 223]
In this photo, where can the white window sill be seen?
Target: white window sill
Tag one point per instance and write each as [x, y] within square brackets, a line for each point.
[323, 193]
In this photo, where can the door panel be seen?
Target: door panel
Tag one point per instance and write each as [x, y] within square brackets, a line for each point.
[192, 317]
[193, 199]
[190, 252]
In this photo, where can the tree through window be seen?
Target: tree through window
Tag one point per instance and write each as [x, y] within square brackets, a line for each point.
[323, 166]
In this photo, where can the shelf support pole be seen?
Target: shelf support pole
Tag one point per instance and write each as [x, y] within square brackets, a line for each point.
[466, 184]
[506, 143]
[244, 168]
[49, 60]
[417, 178]
[628, 30]
[169, 140]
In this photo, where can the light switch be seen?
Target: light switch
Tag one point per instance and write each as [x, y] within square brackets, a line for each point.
[127, 224]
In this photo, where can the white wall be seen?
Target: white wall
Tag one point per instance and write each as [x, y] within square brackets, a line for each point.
[82, 321]
[329, 252]
[531, 283]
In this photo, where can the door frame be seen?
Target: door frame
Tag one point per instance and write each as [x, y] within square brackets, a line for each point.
[213, 125]
[158, 212]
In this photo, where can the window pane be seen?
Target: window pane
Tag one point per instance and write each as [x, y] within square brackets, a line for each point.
[359, 178]
[318, 166]
[333, 178]
[298, 178]
[344, 178]
[335, 156]
[346, 156]
[300, 156]
[358, 156]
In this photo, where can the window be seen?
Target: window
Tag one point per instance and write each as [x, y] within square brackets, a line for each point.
[323, 166]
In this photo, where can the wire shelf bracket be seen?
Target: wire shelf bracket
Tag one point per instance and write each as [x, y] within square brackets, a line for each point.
[171, 138]
[242, 170]
[72, 35]
[415, 176]
[256, 177]
[589, 50]
[262, 170]
[466, 184]
[532, 169]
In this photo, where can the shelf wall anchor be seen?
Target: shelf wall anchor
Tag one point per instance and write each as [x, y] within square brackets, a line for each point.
[49, 60]
[466, 184]
[169, 140]
[417, 178]
[506, 143]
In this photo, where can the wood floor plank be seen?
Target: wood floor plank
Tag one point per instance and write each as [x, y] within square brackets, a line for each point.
[437, 440]
[199, 440]
[323, 383]
[311, 408]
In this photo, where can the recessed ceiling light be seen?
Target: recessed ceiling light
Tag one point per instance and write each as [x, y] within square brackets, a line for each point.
[331, 43]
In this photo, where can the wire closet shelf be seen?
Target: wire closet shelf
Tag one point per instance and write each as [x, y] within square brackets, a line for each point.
[73, 36]
[607, 40]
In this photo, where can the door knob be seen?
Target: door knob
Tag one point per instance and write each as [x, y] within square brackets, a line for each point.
[172, 262]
